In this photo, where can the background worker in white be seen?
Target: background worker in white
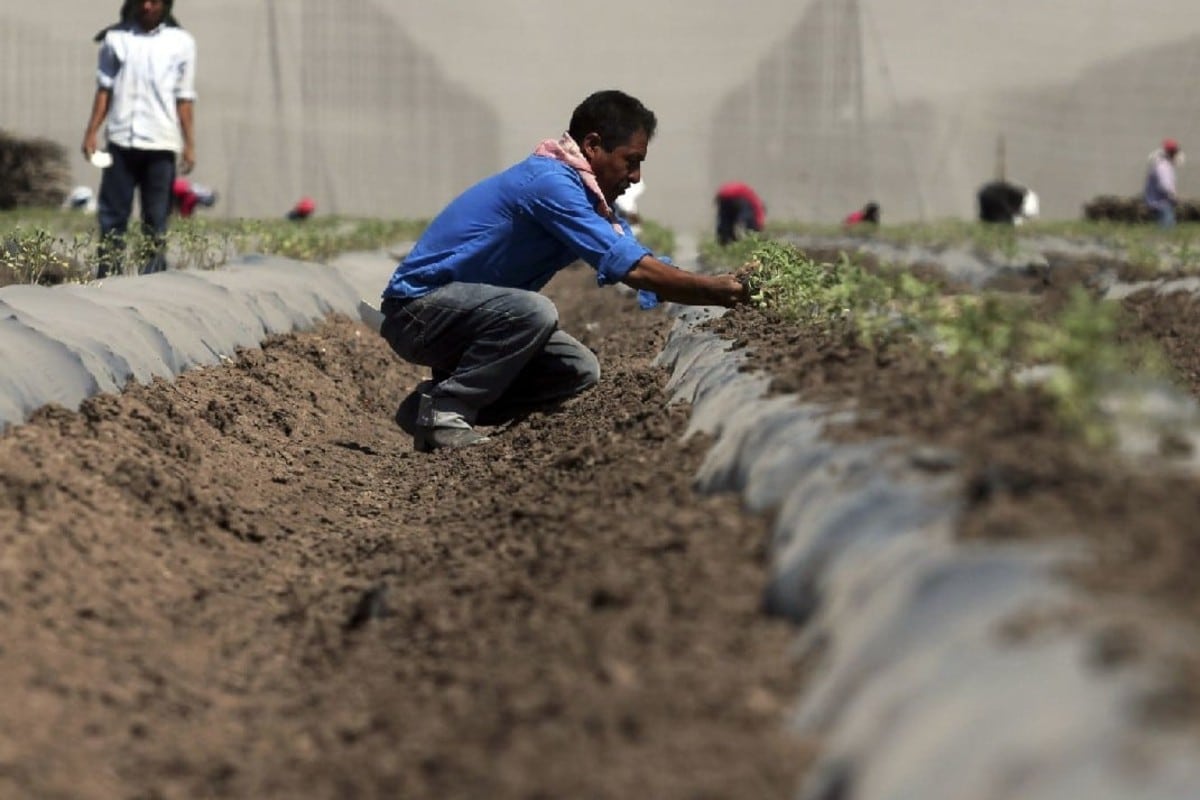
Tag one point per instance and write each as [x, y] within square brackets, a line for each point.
[146, 90]
[1159, 192]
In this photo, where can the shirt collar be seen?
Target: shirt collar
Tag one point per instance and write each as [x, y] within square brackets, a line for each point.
[136, 28]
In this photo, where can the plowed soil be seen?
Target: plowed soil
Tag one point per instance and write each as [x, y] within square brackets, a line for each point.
[244, 584]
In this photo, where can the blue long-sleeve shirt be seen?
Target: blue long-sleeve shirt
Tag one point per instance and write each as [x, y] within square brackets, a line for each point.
[517, 229]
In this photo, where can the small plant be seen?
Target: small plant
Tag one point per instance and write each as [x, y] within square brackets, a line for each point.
[35, 256]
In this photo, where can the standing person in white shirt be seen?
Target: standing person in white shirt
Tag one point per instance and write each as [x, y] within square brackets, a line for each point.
[146, 90]
[1159, 192]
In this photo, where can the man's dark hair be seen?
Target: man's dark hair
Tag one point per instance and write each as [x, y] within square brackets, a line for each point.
[614, 115]
[129, 11]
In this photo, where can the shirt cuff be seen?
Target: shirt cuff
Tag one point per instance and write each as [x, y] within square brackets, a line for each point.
[619, 260]
[104, 81]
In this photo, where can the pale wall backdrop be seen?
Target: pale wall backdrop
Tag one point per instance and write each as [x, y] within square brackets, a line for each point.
[390, 107]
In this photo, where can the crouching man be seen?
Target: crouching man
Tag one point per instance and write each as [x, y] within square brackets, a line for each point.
[465, 300]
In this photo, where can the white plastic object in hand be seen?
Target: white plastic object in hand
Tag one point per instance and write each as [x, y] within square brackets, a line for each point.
[101, 159]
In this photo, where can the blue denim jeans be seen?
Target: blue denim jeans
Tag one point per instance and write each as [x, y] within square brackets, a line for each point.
[1165, 215]
[495, 352]
[151, 172]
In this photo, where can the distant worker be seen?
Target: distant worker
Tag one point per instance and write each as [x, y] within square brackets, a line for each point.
[303, 209]
[1160, 194]
[738, 209]
[867, 215]
[1006, 203]
[186, 196]
[627, 206]
[146, 91]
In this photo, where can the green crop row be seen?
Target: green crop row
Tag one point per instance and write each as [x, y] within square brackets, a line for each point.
[52, 246]
[987, 339]
[1148, 249]
[55, 247]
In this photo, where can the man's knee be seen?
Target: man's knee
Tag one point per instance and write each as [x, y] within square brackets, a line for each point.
[539, 314]
[588, 369]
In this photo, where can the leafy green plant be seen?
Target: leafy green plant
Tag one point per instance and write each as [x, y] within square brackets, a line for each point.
[37, 256]
[986, 340]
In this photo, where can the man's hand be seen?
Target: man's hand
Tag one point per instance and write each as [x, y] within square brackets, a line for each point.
[746, 272]
[187, 159]
[731, 290]
[89, 145]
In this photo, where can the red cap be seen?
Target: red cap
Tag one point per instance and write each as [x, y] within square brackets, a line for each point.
[1170, 146]
[306, 205]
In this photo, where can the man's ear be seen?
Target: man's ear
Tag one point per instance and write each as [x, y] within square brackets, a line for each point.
[591, 144]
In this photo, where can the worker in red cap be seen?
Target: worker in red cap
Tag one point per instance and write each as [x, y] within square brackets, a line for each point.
[186, 196]
[867, 215]
[739, 208]
[303, 209]
[1160, 193]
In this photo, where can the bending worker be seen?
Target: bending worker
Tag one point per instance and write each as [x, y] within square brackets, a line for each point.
[465, 300]
[739, 209]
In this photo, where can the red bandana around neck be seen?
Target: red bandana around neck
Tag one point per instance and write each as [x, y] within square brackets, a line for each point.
[567, 151]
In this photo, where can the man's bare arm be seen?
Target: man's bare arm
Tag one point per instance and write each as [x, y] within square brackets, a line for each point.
[99, 111]
[687, 288]
[187, 124]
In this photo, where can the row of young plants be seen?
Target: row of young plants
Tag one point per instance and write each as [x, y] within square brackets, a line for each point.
[52, 247]
[1148, 249]
[988, 339]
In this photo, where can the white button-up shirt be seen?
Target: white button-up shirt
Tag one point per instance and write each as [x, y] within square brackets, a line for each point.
[147, 73]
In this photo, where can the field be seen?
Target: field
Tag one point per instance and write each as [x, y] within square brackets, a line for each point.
[244, 583]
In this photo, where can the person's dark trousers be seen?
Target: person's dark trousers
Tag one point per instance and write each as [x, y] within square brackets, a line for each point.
[151, 173]
[495, 352]
[727, 217]
[1165, 214]
[733, 213]
[746, 218]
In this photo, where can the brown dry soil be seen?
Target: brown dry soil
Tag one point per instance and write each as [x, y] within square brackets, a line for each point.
[244, 584]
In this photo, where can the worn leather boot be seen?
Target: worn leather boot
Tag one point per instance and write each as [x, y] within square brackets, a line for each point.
[426, 440]
[430, 436]
[406, 412]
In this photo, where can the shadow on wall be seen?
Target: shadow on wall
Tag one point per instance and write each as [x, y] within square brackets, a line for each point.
[797, 130]
[347, 107]
[800, 120]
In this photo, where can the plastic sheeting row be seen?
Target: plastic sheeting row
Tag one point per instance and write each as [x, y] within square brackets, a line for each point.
[919, 694]
[64, 344]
